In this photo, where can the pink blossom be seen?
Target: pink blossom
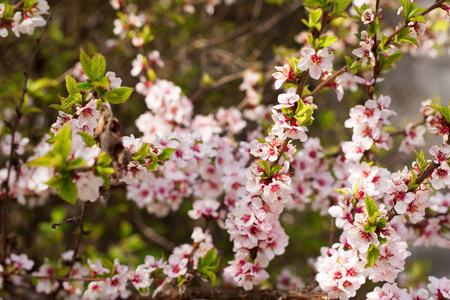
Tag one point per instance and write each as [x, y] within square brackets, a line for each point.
[88, 186]
[316, 62]
[176, 267]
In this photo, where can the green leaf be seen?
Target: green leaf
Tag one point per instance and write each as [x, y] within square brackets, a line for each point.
[98, 67]
[369, 228]
[63, 142]
[142, 153]
[371, 206]
[84, 86]
[107, 171]
[103, 82]
[44, 161]
[104, 160]
[76, 163]
[372, 256]
[55, 182]
[28, 4]
[317, 3]
[57, 107]
[265, 165]
[119, 95]
[209, 265]
[68, 191]
[87, 138]
[152, 166]
[445, 111]
[275, 169]
[70, 85]
[181, 280]
[339, 6]
[381, 223]
[325, 41]
[86, 64]
[109, 265]
[63, 271]
[166, 153]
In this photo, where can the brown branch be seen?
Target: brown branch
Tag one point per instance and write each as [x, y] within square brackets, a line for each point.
[56, 278]
[66, 221]
[82, 231]
[238, 293]
[328, 80]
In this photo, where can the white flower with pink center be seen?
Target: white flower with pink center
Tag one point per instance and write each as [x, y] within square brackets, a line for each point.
[88, 115]
[45, 285]
[367, 16]
[20, 262]
[414, 138]
[97, 267]
[441, 176]
[439, 288]
[284, 73]
[288, 99]
[88, 186]
[340, 273]
[115, 82]
[365, 50]
[177, 266]
[316, 61]
[206, 208]
[131, 143]
[388, 292]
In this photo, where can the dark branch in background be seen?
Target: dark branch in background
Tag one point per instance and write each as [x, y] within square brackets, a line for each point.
[237, 293]
[13, 127]
[151, 234]
[66, 221]
[82, 231]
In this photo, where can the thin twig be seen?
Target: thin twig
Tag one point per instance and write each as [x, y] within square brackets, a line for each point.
[66, 221]
[82, 231]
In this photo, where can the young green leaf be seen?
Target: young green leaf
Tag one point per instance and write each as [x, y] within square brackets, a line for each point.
[83, 86]
[265, 165]
[166, 153]
[86, 64]
[119, 95]
[70, 85]
[372, 256]
[87, 138]
[98, 67]
[68, 191]
[371, 206]
[142, 153]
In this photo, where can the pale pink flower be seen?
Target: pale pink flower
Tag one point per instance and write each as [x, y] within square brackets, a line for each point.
[88, 186]
[316, 62]
[177, 266]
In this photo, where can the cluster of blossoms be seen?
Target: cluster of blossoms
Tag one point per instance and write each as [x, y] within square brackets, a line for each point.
[437, 289]
[23, 20]
[366, 121]
[109, 280]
